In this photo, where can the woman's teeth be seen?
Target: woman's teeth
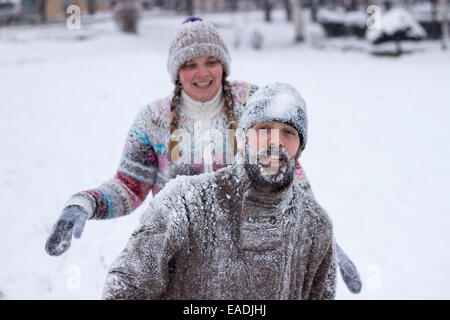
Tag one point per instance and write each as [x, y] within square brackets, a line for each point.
[203, 84]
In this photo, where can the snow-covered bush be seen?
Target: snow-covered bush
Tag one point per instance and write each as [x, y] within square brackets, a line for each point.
[339, 23]
[396, 25]
[126, 14]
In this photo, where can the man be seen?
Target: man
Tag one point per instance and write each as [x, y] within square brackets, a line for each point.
[244, 232]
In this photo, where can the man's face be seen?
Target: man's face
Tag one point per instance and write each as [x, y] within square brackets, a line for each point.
[276, 134]
[273, 149]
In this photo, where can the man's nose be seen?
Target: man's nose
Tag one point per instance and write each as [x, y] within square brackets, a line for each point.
[274, 139]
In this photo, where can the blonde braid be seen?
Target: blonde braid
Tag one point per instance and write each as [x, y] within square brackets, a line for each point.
[175, 110]
[229, 109]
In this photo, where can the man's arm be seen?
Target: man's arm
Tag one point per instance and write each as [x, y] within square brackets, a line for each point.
[142, 270]
[324, 283]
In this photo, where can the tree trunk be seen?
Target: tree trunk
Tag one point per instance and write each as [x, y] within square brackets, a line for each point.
[190, 7]
[267, 10]
[42, 10]
[353, 5]
[433, 10]
[233, 5]
[297, 12]
[399, 47]
[287, 5]
[92, 6]
[444, 24]
[314, 10]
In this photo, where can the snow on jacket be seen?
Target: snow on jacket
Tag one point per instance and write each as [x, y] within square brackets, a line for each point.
[213, 236]
[145, 166]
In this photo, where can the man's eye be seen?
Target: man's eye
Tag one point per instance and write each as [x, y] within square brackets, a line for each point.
[290, 132]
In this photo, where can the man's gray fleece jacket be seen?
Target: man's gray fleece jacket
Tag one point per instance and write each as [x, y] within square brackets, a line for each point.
[217, 237]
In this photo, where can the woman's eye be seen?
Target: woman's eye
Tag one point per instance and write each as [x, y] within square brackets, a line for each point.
[189, 66]
[212, 62]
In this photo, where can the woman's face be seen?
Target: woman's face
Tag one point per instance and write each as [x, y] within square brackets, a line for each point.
[201, 78]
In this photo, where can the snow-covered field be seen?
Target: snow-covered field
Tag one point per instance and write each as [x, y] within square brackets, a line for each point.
[378, 156]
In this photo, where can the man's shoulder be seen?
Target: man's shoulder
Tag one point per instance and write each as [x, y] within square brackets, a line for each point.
[186, 188]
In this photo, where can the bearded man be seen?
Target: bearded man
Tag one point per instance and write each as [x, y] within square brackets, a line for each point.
[244, 232]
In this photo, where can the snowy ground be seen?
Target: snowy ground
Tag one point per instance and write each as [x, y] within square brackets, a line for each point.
[378, 156]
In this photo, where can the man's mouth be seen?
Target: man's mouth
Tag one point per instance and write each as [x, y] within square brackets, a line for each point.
[273, 159]
[203, 85]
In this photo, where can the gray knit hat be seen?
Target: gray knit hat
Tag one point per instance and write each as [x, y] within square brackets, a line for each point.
[195, 38]
[276, 102]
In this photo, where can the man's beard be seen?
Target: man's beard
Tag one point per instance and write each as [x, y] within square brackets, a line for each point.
[273, 179]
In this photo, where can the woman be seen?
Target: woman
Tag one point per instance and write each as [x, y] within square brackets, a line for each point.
[203, 99]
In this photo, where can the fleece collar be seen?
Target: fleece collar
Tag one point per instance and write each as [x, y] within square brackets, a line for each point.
[201, 110]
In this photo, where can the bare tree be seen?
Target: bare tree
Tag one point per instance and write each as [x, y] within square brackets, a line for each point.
[190, 7]
[297, 11]
[267, 5]
[314, 8]
[434, 10]
[126, 14]
[41, 6]
[444, 24]
[233, 4]
[92, 5]
[287, 5]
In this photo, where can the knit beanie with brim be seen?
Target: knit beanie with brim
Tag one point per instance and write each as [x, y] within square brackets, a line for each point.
[195, 38]
[279, 102]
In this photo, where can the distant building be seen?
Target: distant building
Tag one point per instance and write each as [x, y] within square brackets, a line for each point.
[203, 5]
[57, 8]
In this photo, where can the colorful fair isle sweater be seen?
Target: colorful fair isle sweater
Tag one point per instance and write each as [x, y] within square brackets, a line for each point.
[145, 165]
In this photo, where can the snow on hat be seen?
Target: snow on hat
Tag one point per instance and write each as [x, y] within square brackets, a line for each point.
[195, 38]
[276, 102]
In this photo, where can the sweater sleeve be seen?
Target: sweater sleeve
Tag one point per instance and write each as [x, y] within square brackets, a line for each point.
[134, 178]
[301, 179]
[142, 270]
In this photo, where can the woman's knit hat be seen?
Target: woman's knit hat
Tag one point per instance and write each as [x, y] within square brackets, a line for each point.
[276, 102]
[195, 38]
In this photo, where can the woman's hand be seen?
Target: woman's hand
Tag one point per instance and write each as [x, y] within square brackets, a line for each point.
[71, 222]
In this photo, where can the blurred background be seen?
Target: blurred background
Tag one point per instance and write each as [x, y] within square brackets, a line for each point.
[375, 76]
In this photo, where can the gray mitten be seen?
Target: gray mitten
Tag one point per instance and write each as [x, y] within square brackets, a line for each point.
[348, 271]
[71, 221]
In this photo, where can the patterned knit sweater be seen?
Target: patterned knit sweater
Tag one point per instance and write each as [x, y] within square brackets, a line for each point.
[145, 165]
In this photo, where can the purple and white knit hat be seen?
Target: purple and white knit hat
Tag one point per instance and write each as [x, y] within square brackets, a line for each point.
[195, 38]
